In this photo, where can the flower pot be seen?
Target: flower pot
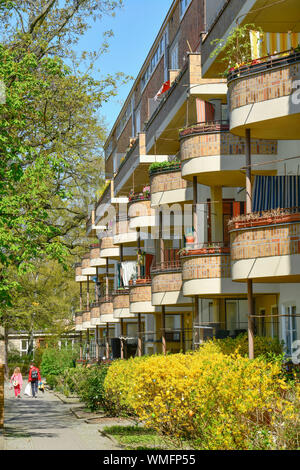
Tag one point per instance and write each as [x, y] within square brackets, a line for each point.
[190, 239]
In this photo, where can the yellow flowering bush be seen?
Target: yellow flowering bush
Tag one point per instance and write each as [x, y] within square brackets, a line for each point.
[263, 346]
[214, 400]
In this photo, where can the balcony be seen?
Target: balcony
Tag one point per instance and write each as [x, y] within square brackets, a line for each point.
[263, 97]
[78, 273]
[121, 304]
[134, 167]
[141, 215]
[140, 296]
[78, 321]
[86, 320]
[168, 186]
[87, 269]
[107, 310]
[95, 258]
[170, 115]
[108, 249]
[95, 314]
[123, 234]
[206, 271]
[103, 204]
[210, 152]
[265, 246]
[167, 281]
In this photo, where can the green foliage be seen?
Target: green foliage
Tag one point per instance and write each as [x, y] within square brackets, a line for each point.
[236, 49]
[163, 165]
[266, 347]
[92, 391]
[56, 361]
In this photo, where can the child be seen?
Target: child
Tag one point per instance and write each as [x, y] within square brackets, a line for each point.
[17, 381]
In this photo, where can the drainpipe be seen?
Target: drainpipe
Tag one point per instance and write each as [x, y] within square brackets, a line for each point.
[139, 336]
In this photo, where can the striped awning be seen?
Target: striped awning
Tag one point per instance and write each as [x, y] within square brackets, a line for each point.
[276, 192]
[265, 44]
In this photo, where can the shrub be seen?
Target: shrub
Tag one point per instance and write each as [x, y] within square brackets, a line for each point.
[267, 347]
[91, 389]
[55, 362]
[164, 165]
[118, 385]
[219, 401]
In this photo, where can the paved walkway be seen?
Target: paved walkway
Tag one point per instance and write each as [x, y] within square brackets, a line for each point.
[45, 423]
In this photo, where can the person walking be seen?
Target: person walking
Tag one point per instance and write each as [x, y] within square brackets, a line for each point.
[17, 381]
[34, 378]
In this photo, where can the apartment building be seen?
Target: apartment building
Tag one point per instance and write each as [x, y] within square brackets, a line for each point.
[197, 231]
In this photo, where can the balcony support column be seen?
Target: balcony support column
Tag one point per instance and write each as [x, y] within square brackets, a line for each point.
[216, 214]
[97, 344]
[249, 210]
[106, 279]
[182, 335]
[80, 297]
[107, 340]
[139, 249]
[163, 330]
[195, 201]
[88, 344]
[161, 240]
[80, 346]
[88, 293]
[139, 335]
[122, 340]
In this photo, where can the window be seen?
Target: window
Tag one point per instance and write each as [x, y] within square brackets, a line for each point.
[183, 6]
[289, 328]
[159, 51]
[174, 57]
[23, 347]
[123, 121]
[138, 121]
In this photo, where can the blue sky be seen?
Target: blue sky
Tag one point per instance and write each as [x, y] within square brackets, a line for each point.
[135, 27]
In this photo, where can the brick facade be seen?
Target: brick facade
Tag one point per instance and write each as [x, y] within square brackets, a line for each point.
[86, 317]
[167, 282]
[95, 312]
[223, 143]
[95, 253]
[168, 182]
[107, 242]
[264, 86]
[140, 209]
[107, 308]
[78, 319]
[121, 301]
[260, 242]
[140, 294]
[206, 267]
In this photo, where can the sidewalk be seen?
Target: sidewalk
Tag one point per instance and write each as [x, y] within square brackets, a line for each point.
[45, 423]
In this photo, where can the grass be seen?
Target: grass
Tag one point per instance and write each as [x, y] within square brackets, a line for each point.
[139, 438]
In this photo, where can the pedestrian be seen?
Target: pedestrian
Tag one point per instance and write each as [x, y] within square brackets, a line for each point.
[17, 381]
[34, 378]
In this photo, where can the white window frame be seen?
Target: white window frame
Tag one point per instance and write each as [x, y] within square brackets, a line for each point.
[174, 55]
[24, 351]
[289, 327]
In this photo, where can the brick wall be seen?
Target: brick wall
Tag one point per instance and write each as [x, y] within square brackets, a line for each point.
[78, 319]
[190, 27]
[223, 143]
[107, 242]
[121, 301]
[107, 308]
[278, 240]
[95, 312]
[86, 317]
[140, 294]
[124, 139]
[264, 86]
[95, 253]
[168, 182]
[206, 267]
[168, 282]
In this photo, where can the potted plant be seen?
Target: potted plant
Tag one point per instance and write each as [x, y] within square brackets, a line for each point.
[146, 192]
[189, 237]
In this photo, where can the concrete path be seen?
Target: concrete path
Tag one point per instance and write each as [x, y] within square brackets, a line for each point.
[45, 423]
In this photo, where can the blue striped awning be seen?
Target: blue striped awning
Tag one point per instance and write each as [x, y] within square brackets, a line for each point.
[274, 192]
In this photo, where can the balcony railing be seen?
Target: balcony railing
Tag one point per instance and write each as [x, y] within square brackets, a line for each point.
[264, 64]
[262, 218]
[171, 263]
[209, 248]
[205, 128]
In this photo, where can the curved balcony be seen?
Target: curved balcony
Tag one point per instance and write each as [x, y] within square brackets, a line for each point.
[78, 321]
[141, 215]
[78, 273]
[95, 258]
[167, 281]
[140, 296]
[265, 247]
[263, 96]
[95, 314]
[86, 320]
[108, 249]
[168, 187]
[210, 152]
[86, 268]
[124, 235]
[121, 304]
[107, 310]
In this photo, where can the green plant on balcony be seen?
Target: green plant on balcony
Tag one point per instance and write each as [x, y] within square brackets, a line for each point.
[236, 49]
[164, 165]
